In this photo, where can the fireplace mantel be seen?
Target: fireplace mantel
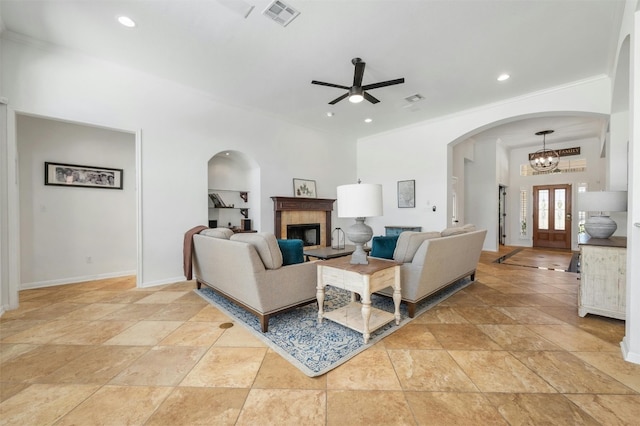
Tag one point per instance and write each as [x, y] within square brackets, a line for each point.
[291, 206]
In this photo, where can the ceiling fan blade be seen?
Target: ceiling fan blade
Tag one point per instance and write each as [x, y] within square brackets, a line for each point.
[321, 83]
[383, 84]
[338, 99]
[358, 73]
[370, 98]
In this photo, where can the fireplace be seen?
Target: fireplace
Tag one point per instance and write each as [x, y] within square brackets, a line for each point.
[303, 211]
[309, 233]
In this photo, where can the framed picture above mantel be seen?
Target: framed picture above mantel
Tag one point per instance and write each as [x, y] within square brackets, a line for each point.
[62, 174]
[304, 188]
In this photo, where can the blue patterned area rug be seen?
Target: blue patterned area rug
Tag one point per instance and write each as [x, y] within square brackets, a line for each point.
[316, 349]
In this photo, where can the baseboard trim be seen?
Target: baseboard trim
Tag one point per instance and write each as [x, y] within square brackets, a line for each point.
[165, 281]
[74, 280]
[627, 354]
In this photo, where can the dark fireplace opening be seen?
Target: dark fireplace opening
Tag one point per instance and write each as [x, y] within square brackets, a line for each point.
[309, 233]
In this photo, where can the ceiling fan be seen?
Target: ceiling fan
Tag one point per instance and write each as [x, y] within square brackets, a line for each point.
[357, 92]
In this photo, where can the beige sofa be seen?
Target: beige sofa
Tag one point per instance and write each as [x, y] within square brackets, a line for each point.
[434, 260]
[247, 269]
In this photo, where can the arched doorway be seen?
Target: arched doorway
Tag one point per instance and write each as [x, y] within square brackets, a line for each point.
[496, 156]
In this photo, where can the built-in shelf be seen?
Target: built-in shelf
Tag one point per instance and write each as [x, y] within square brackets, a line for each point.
[221, 199]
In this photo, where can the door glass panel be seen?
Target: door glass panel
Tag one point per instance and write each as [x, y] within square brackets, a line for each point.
[543, 209]
[559, 209]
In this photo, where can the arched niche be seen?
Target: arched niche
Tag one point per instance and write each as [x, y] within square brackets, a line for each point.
[235, 178]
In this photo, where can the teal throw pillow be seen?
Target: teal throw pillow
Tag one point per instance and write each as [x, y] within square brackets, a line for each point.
[384, 246]
[291, 251]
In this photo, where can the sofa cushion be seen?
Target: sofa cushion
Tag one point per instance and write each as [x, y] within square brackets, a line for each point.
[408, 243]
[447, 232]
[265, 244]
[384, 246]
[224, 233]
[292, 251]
[469, 227]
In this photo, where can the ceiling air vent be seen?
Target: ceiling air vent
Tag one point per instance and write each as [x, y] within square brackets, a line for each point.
[281, 13]
[414, 98]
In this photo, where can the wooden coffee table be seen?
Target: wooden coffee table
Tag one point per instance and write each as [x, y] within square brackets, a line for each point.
[325, 253]
[364, 280]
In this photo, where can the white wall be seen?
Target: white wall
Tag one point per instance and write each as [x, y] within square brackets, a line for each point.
[503, 164]
[481, 191]
[181, 130]
[5, 294]
[420, 151]
[618, 152]
[460, 154]
[74, 234]
[631, 46]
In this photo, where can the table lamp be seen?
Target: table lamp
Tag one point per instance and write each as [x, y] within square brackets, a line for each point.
[359, 201]
[601, 225]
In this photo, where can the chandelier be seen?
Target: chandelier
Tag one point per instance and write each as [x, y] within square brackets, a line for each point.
[544, 160]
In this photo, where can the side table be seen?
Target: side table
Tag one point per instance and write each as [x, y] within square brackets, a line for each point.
[603, 277]
[364, 280]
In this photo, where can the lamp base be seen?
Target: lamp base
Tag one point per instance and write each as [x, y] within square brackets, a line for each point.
[359, 233]
[600, 226]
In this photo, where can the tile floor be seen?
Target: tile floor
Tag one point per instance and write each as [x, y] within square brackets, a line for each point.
[509, 349]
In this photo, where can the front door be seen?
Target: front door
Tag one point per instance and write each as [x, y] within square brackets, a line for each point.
[552, 216]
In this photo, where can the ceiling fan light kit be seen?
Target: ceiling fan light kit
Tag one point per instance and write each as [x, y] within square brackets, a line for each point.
[544, 160]
[355, 95]
[357, 92]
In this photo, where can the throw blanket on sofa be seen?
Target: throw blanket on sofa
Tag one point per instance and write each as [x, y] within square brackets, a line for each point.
[187, 250]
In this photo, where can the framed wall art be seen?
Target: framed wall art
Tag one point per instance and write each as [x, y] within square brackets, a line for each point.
[61, 174]
[406, 193]
[304, 188]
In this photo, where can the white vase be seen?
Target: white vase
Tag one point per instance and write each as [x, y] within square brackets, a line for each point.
[600, 226]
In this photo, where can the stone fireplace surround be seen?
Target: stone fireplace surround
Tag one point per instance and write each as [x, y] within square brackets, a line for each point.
[294, 210]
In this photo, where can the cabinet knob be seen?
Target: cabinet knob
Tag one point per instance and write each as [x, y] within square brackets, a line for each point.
[637, 225]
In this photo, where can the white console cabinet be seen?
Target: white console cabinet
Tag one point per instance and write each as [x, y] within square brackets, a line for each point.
[603, 276]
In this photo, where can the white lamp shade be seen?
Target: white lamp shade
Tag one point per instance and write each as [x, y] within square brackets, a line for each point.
[602, 201]
[360, 200]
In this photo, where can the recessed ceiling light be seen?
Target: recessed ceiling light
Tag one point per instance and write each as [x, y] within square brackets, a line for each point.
[368, 120]
[503, 77]
[330, 114]
[126, 21]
